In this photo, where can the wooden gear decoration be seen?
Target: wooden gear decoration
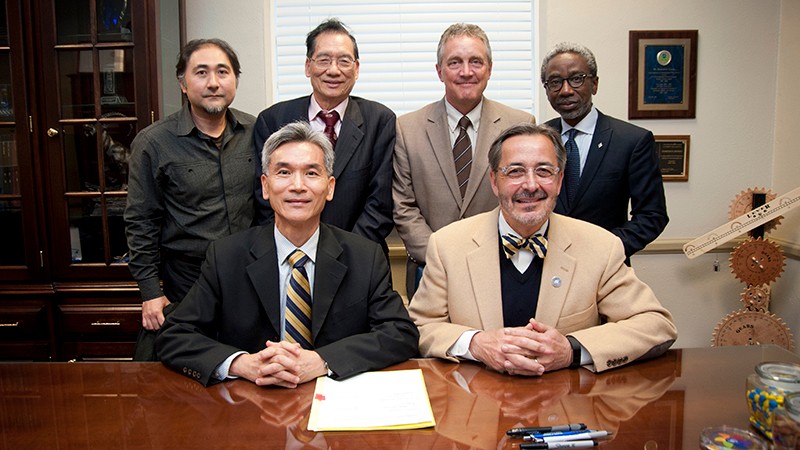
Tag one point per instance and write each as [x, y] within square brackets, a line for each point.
[757, 262]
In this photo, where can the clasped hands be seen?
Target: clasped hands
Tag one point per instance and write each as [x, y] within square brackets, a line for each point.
[279, 364]
[531, 350]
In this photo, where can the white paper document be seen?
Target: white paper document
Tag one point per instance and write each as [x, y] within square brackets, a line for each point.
[389, 400]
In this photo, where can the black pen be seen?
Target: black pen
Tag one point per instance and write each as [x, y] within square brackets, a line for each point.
[537, 430]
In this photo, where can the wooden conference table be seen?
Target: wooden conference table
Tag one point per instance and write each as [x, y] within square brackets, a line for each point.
[658, 404]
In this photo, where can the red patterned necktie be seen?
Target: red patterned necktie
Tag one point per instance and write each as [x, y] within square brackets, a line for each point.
[330, 118]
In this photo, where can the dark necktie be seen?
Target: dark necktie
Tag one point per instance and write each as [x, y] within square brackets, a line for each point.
[462, 155]
[330, 118]
[513, 243]
[298, 302]
[573, 172]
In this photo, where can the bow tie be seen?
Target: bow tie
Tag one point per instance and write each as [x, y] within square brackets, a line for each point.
[512, 244]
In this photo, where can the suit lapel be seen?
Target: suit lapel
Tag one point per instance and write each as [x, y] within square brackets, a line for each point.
[263, 274]
[483, 263]
[597, 151]
[350, 136]
[438, 132]
[328, 275]
[489, 126]
[557, 272]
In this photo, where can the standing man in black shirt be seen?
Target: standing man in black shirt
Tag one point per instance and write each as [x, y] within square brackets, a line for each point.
[191, 178]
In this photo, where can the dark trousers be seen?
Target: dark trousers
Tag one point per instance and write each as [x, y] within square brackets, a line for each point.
[413, 277]
[178, 274]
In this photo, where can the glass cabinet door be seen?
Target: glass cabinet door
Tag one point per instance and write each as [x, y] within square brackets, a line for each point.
[20, 258]
[96, 100]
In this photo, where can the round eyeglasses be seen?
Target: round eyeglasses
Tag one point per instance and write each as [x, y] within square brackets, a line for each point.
[575, 81]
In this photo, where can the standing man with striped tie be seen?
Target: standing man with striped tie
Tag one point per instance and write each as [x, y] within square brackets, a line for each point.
[440, 171]
[285, 303]
[526, 291]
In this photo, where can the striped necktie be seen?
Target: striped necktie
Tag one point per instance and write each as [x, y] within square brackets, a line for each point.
[512, 244]
[298, 302]
[462, 155]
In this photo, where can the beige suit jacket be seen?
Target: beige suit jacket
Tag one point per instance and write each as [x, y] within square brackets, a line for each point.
[425, 189]
[587, 291]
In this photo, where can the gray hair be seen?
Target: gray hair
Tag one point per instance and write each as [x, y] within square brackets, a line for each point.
[570, 47]
[299, 131]
[463, 29]
[527, 129]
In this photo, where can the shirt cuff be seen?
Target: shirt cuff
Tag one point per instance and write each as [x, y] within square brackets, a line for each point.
[585, 357]
[461, 347]
[221, 372]
[150, 288]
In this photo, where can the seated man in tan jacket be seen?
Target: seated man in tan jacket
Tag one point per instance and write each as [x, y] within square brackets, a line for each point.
[526, 291]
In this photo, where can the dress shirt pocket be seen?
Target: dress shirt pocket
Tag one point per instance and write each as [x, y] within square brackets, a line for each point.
[195, 183]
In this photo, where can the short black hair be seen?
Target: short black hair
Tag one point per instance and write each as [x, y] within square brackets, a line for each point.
[329, 26]
[195, 44]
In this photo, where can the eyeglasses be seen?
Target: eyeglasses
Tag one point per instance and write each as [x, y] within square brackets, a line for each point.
[575, 81]
[342, 62]
[545, 174]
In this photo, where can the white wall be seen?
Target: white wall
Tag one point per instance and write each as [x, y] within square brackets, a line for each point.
[748, 61]
[243, 24]
[735, 143]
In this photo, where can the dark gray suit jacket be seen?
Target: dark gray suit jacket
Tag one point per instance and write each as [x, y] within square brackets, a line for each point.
[622, 165]
[358, 322]
[362, 202]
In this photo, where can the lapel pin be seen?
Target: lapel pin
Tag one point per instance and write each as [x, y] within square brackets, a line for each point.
[556, 282]
[600, 145]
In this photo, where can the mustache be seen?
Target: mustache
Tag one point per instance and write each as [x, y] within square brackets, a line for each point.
[538, 194]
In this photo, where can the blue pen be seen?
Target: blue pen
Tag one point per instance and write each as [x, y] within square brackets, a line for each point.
[540, 436]
[586, 434]
[552, 445]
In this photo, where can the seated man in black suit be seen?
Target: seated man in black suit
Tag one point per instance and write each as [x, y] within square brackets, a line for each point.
[262, 311]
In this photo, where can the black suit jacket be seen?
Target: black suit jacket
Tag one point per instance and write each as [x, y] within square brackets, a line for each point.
[362, 202]
[358, 322]
[622, 165]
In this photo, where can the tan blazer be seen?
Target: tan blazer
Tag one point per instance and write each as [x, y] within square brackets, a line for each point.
[587, 291]
[425, 190]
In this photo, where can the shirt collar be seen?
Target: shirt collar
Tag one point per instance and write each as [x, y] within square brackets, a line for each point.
[314, 108]
[585, 126]
[186, 126]
[453, 116]
[504, 228]
[285, 248]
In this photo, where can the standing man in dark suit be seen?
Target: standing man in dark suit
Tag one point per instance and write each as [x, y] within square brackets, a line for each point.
[618, 161]
[428, 192]
[362, 131]
[288, 302]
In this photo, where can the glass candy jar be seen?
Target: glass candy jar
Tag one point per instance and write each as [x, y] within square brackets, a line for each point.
[786, 424]
[766, 390]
